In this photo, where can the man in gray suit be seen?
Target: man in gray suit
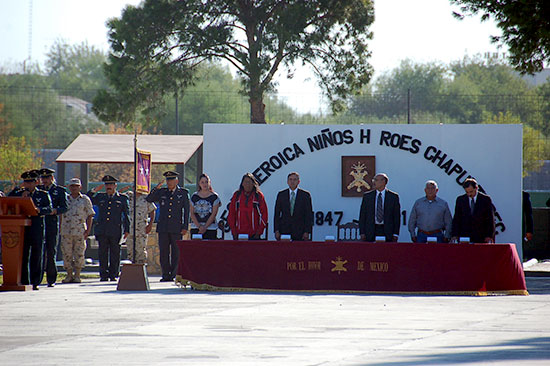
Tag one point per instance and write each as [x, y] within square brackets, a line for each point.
[380, 212]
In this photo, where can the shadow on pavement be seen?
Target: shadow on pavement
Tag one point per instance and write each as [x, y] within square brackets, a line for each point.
[519, 350]
[538, 285]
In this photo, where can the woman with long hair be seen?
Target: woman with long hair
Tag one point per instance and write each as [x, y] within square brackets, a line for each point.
[204, 208]
[247, 209]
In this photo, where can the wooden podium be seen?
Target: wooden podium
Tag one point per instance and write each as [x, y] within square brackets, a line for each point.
[14, 216]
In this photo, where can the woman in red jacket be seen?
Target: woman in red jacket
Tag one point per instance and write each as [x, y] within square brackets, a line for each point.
[247, 209]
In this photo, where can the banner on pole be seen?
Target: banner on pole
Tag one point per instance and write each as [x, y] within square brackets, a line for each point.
[143, 184]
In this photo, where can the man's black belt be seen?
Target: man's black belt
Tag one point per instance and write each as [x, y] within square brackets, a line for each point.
[431, 232]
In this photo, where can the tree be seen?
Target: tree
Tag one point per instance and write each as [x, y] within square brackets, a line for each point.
[463, 91]
[479, 86]
[536, 148]
[525, 28]
[387, 97]
[16, 157]
[39, 114]
[156, 47]
[75, 69]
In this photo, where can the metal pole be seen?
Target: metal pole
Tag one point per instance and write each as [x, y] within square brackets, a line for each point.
[135, 199]
[177, 117]
[408, 106]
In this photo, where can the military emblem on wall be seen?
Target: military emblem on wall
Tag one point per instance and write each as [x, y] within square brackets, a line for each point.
[357, 175]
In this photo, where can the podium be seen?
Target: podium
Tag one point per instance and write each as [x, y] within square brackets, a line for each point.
[14, 216]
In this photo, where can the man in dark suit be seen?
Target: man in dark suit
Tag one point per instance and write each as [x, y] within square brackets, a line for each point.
[293, 211]
[527, 222]
[380, 212]
[112, 221]
[474, 215]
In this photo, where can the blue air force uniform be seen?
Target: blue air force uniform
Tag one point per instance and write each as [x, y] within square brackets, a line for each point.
[58, 196]
[111, 221]
[31, 272]
[173, 218]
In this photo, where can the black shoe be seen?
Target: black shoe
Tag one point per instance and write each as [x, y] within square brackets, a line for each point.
[51, 284]
[112, 278]
[103, 279]
[35, 287]
[165, 280]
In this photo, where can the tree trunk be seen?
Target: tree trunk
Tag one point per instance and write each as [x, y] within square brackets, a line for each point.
[257, 110]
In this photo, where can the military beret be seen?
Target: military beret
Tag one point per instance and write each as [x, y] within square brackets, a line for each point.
[109, 179]
[75, 182]
[30, 176]
[170, 174]
[46, 172]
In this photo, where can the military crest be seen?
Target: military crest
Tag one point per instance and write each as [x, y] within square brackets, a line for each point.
[339, 265]
[357, 175]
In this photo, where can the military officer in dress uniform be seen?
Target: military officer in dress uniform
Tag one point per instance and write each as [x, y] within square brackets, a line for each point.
[34, 234]
[173, 221]
[112, 221]
[145, 216]
[58, 195]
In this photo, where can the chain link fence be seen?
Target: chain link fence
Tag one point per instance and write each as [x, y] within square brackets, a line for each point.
[52, 118]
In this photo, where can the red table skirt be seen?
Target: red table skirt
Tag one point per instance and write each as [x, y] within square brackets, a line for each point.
[350, 267]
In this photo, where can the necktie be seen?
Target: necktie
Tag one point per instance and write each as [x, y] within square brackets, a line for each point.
[379, 208]
[292, 201]
[472, 206]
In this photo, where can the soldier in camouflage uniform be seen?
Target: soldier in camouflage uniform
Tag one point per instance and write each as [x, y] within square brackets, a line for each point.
[145, 216]
[76, 224]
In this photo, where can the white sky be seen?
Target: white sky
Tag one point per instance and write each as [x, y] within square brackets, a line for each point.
[419, 30]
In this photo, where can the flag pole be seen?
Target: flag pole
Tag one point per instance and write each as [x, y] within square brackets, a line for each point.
[134, 276]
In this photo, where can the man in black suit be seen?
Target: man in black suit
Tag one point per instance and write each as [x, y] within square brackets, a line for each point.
[293, 211]
[474, 215]
[380, 212]
[527, 222]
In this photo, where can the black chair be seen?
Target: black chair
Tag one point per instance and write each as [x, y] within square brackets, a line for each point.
[348, 232]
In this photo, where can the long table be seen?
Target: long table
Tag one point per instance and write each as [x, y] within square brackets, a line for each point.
[351, 267]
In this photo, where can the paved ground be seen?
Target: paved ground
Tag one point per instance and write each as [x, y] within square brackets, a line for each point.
[93, 324]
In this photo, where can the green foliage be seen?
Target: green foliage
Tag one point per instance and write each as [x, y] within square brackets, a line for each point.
[525, 26]
[75, 69]
[157, 46]
[387, 97]
[16, 157]
[458, 93]
[39, 114]
[213, 98]
[536, 148]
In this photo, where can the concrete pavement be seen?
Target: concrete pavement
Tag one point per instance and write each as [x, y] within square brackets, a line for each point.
[93, 324]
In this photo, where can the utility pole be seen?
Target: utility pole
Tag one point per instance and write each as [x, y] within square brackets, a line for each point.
[409, 106]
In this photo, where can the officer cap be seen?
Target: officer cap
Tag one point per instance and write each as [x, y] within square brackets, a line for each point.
[46, 172]
[75, 182]
[109, 179]
[170, 174]
[30, 176]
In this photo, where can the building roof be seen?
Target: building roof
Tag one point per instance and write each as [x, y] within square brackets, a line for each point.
[98, 148]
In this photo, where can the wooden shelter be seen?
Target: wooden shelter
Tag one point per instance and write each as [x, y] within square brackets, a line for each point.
[119, 149]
